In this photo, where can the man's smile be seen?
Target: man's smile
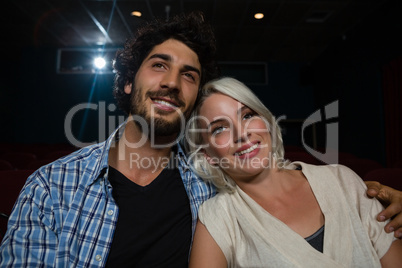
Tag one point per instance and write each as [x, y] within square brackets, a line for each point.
[165, 104]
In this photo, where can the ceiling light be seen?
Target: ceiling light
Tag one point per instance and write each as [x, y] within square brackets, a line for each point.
[136, 13]
[258, 16]
[99, 62]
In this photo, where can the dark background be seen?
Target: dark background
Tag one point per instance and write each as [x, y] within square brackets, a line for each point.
[314, 53]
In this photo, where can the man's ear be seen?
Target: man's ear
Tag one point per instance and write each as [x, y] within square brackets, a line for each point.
[128, 88]
[212, 161]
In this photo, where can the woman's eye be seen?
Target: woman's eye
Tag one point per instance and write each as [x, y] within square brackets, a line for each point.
[248, 115]
[218, 130]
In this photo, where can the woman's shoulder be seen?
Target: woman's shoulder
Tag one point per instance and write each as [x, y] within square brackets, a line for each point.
[333, 167]
[338, 170]
[217, 206]
[335, 176]
[344, 174]
[221, 199]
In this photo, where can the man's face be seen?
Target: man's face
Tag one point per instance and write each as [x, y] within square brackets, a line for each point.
[166, 86]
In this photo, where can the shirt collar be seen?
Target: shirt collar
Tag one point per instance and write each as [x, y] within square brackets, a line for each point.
[182, 158]
[115, 136]
[104, 153]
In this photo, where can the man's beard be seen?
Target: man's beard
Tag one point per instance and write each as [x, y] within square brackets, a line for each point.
[161, 127]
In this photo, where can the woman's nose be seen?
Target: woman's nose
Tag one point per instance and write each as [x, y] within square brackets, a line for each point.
[241, 134]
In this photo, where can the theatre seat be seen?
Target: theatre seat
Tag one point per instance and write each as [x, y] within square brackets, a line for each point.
[11, 182]
[57, 154]
[18, 160]
[3, 225]
[361, 165]
[34, 165]
[388, 176]
[303, 157]
[5, 165]
[398, 164]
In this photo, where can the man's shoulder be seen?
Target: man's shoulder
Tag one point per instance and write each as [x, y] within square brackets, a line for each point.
[85, 154]
[72, 166]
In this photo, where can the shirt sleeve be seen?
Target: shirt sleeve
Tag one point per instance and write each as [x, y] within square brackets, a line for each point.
[31, 238]
[380, 239]
[368, 209]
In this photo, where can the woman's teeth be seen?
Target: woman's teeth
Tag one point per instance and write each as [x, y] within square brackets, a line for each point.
[252, 148]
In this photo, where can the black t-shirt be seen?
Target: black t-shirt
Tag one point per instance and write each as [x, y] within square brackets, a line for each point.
[316, 240]
[154, 222]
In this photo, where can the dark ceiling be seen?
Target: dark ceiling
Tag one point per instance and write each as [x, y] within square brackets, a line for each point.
[292, 30]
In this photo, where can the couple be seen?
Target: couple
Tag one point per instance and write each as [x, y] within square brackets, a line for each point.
[93, 208]
[269, 212]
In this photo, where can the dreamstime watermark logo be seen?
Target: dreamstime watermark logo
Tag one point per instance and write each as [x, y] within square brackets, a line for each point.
[107, 123]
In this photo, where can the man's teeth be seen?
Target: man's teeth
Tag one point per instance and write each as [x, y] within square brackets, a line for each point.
[165, 103]
[252, 148]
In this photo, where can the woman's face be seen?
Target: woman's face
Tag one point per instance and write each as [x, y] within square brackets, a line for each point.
[236, 138]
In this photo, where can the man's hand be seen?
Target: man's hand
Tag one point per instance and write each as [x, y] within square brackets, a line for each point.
[392, 201]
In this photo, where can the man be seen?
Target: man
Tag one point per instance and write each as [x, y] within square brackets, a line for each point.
[131, 200]
[68, 215]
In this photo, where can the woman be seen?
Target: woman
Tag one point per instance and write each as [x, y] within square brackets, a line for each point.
[270, 212]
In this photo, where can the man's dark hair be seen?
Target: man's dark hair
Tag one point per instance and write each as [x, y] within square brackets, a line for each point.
[191, 29]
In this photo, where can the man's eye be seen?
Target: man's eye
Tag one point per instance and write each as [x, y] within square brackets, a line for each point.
[158, 65]
[189, 75]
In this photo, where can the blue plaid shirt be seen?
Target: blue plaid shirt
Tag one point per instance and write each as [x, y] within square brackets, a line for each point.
[65, 215]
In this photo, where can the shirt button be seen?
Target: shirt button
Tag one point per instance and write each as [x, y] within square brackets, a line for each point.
[110, 212]
[98, 257]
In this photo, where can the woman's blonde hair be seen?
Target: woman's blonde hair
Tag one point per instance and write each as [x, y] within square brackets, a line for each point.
[193, 142]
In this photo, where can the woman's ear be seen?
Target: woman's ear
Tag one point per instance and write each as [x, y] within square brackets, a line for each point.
[211, 160]
[128, 88]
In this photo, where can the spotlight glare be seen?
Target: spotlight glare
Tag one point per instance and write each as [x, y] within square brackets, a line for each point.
[258, 16]
[99, 62]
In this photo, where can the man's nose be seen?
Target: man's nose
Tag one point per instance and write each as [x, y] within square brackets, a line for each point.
[171, 80]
